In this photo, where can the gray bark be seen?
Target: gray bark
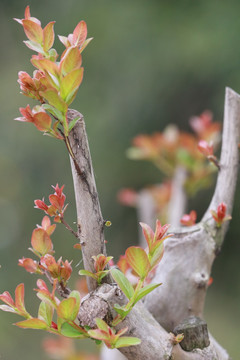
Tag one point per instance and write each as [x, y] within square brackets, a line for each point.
[89, 217]
[186, 265]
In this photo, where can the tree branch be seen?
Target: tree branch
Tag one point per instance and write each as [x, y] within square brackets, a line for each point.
[186, 266]
[178, 201]
[157, 343]
[187, 262]
[229, 161]
[89, 217]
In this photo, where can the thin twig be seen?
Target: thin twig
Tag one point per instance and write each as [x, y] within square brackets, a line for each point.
[62, 290]
[68, 227]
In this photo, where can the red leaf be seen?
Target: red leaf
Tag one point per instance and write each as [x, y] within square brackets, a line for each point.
[56, 202]
[29, 265]
[148, 233]
[42, 285]
[42, 121]
[40, 204]
[189, 219]
[27, 12]
[80, 33]
[6, 297]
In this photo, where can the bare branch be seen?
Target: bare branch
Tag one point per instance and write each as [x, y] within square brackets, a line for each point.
[156, 343]
[177, 205]
[186, 265]
[89, 217]
[229, 161]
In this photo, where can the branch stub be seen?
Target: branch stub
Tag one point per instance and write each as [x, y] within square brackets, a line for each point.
[195, 333]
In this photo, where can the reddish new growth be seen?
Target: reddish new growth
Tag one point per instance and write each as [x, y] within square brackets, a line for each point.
[207, 150]
[60, 270]
[55, 83]
[100, 263]
[204, 126]
[110, 337]
[189, 219]
[220, 215]
[57, 201]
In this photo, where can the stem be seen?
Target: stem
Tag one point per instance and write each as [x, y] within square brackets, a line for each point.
[68, 145]
[62, 290]
[68, 227]
[214, 160]
[129, 305]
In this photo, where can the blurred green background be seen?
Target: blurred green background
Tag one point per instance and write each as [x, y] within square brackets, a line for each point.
[151, 63]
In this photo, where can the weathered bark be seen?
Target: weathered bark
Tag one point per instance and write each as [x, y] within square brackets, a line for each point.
[178, 201]
[187, 262]
[89, 217]
[186, 266]
[229, 163]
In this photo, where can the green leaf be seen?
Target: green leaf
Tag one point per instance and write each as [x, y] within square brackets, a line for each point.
[72, 332]
[67, 309]
[33, 31]
[48, 36]
[145, 290]
[101, 275]
[101, 324]
[127, 341]
[32, 324]
[60, 323]
[85, 44]
[98, 334]
[71, 96]
[138, 260]
[73, 123]
[70, 83]
[47, 66]
[54, 99]
[123, 283]
[76, 295]
[72, 60]
[121, 311]
[87, 273]
[45, 313]
[55, 112]
[98, 342]
[157, 255]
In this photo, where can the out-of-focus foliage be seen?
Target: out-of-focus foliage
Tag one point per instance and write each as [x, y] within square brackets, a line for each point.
[150, 64]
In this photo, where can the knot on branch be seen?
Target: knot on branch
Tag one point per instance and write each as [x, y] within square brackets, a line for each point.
[195, 333]
[99, 304]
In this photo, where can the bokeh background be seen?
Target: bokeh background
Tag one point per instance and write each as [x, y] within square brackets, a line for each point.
[151, 63]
